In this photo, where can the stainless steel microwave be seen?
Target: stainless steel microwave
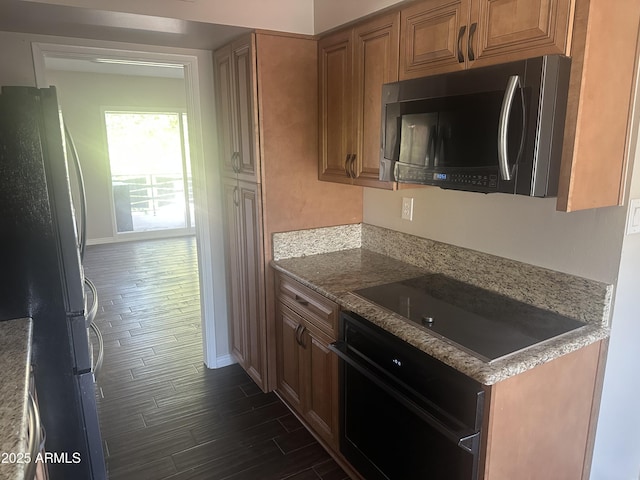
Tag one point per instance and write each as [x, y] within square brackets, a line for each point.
[491, 129]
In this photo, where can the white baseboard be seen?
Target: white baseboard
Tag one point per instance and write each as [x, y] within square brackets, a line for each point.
[100, 241]
[224, 361]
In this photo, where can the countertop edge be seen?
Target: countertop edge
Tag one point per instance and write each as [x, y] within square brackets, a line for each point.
[485, 373]
[15, 358]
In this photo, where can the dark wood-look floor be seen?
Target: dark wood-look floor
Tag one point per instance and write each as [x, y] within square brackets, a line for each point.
[164, 415]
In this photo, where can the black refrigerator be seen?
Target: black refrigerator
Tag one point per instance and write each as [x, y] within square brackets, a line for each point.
[41, 247]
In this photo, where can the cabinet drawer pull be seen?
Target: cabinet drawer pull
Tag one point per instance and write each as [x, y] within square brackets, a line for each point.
[472, 32]
[301, 300]
[460, 35]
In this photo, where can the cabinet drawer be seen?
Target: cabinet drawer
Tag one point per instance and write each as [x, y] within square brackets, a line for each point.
[312, 306]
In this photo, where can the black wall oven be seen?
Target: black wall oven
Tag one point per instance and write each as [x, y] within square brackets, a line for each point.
[404, 415]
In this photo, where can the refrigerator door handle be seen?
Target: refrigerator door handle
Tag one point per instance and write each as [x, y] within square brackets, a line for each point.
[90, 319]
[98, 365]
[83, 198]
[91, 313]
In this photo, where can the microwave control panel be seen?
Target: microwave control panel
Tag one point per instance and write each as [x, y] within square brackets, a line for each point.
[481, 180]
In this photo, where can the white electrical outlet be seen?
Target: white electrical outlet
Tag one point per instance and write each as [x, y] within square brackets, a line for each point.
[633, 224]
[407, 208]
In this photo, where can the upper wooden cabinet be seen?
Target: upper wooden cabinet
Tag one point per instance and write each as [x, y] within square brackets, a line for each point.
[442, 36]
[438, 36]
[595, 154]
[236, 97]
[353, 65]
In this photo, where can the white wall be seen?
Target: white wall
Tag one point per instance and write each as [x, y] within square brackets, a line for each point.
[282, 15]
[617, 448]
[521, 228]
[328, 14]
[82, 97]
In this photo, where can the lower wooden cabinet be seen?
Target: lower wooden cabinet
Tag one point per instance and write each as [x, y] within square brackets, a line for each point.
[245, 276]
[307, 371]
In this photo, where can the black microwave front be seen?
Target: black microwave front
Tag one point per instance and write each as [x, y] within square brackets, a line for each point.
[491, 129]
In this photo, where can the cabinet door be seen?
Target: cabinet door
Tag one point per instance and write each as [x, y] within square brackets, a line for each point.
[434, 34]
[252, 276]
[288, 356]
[233, 263]
[375, 63]
[507, 30]
[244, 107]
[335, 57]
[321, 389]
[224, 110]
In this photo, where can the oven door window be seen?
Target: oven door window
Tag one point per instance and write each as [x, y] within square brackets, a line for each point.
[385, 440]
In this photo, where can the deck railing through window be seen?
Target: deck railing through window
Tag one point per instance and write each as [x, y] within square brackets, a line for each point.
[149, 192]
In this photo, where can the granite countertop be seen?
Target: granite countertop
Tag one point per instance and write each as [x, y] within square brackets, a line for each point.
[15, 361]
[336, 274]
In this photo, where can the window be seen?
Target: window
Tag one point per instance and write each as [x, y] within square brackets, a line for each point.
[150, 170]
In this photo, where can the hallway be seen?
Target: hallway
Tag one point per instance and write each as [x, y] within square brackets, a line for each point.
[164, 415]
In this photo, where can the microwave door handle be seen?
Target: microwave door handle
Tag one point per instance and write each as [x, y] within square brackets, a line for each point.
[503, 127]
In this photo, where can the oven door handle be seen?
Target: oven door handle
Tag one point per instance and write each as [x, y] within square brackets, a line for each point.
[466, 439]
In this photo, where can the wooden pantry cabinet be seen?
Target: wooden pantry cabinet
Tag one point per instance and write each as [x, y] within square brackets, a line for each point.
[266, 94]
[306, 323]
[441, 36]
[353, 65]
[242, 207]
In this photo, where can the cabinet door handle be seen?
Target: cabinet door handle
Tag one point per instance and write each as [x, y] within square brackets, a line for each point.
[301, 300]
[352, 166]
[346, 165]
[298, 334]
[235, 162]
[472, 32]
[460, 35]
[236, 196]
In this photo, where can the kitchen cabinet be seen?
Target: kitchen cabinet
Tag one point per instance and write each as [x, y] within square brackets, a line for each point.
[266, 92]
[438, 36]
[245, 286]
[602, 88]
[442, 36]
[236, 100]
[541, 423]
[353, 65]
[306, 323]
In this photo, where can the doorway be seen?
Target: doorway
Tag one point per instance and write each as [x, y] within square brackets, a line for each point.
[195, 67]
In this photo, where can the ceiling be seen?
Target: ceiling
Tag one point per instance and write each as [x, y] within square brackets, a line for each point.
[58, 20]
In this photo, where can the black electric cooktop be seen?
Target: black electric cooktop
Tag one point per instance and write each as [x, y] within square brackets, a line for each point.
[485, 324]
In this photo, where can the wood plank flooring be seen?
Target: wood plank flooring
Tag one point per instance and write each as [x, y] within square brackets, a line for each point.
[164, 415]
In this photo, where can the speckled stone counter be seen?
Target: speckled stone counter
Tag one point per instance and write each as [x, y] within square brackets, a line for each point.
[15, 359]
[336, 274]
